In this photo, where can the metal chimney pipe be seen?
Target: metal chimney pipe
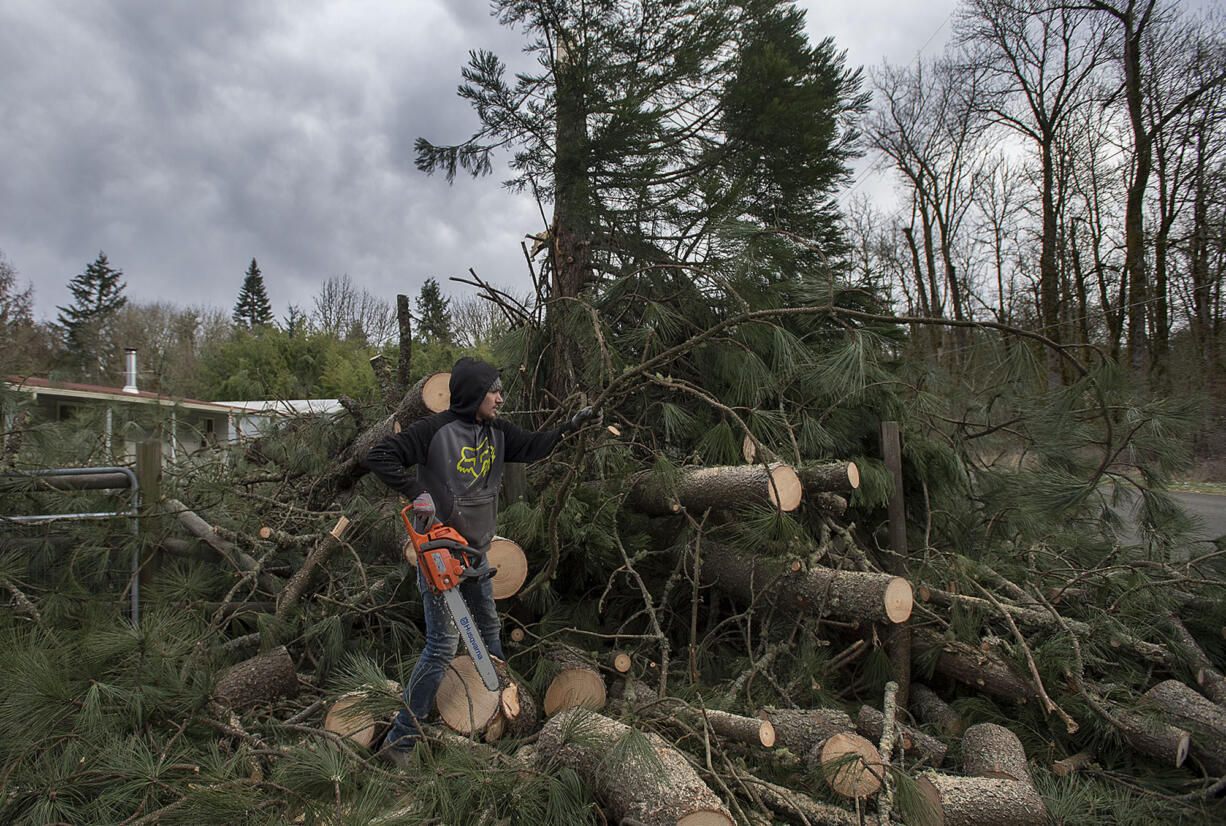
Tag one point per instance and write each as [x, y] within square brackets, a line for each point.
[130, 354]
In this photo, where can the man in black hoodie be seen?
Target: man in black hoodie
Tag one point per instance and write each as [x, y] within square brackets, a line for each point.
[459, 455]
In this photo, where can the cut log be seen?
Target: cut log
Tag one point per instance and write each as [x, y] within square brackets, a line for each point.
[870, 723]
[796, 806]
[829, 477]
[717, 487]
[1072, 764]
[347, 718]
[316, 559]
[1161, 741]
[260, 679]
[971, 666]
[980, 801]
[463, 702]
[989, 750]
[850, 765]
[1204, 720]
[621, 662]
[647, 782]
[818, 591]
[525, 718]
[640, 698]
[930, 709]
[512, 563]
[753, 452]
[1210, 680]
[799, 730]
[575, 683]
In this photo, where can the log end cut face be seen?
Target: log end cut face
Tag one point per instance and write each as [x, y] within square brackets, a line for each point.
[436, 392]
[898, 599]
[508, 557]
[705, 819]
[852, 765]
[463, 701]
[575, 687]
[853, 475]
[785, 491]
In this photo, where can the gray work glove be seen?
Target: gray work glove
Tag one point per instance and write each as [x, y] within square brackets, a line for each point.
[585, 416]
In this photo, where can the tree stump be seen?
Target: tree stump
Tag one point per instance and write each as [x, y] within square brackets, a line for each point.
[929, 708]
[640, 778]
[870, 723]
[1204, 719]
[989, 750]
[575, 683]
[817, 591]
[260, 679]
[720, 488]
[980, 801]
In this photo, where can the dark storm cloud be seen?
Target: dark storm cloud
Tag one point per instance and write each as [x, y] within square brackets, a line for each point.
[185, 138]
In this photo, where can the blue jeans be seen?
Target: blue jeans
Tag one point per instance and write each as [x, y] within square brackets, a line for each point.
[442, 640]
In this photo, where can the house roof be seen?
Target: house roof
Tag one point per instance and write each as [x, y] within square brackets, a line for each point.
[72, 390]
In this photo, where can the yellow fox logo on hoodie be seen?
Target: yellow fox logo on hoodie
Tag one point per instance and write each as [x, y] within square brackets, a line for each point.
[476, 461]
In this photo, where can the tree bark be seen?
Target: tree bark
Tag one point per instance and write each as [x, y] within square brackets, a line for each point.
[649, 783]
[720, 488]
[641, 698]
[262, 678]
[829, 477]
[1204, 720]
[228, 550]
[818, 591]
[1208, 678]
[981, 801]
[989, 750]
[931, 709]
[973, 667]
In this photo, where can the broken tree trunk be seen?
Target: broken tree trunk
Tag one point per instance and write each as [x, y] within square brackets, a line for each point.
[871, 724]
[1204, 719]
[262, 678]
[576, 682]
[829, 477]
[431, 394]
[929, 708]
[201, 529]
[980, 801]
[819, 591]
[720, 488]
[989, 750]
[648, 782]
[316, 559]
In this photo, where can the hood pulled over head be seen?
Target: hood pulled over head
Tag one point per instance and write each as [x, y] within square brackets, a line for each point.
[470, 381]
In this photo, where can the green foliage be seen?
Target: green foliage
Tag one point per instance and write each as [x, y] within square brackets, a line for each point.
[272, 364]
[434, 315]
[97, 294]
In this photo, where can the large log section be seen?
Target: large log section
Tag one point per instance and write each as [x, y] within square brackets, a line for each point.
[261, 679]
[980, 801]
[860, 595]
[717, 487]
[647, 782]
[431, 394]
[1204, 719]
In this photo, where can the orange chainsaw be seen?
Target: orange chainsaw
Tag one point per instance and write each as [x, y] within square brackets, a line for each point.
[437, 549]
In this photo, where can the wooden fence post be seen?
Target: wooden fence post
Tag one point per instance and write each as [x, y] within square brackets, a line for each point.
[149, 480]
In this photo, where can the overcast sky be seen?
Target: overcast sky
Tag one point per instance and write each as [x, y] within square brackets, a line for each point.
[186, 138]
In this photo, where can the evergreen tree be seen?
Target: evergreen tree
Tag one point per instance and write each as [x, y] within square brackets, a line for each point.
[253, 308]
[434, 315]
[97, 294]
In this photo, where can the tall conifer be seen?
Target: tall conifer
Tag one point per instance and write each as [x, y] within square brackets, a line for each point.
[97, 294]
[253, 308]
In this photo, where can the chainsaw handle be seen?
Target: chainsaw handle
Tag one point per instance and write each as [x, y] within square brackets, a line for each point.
[480, 571]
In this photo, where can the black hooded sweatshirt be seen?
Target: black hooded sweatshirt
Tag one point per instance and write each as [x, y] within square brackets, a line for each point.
[460, 459]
